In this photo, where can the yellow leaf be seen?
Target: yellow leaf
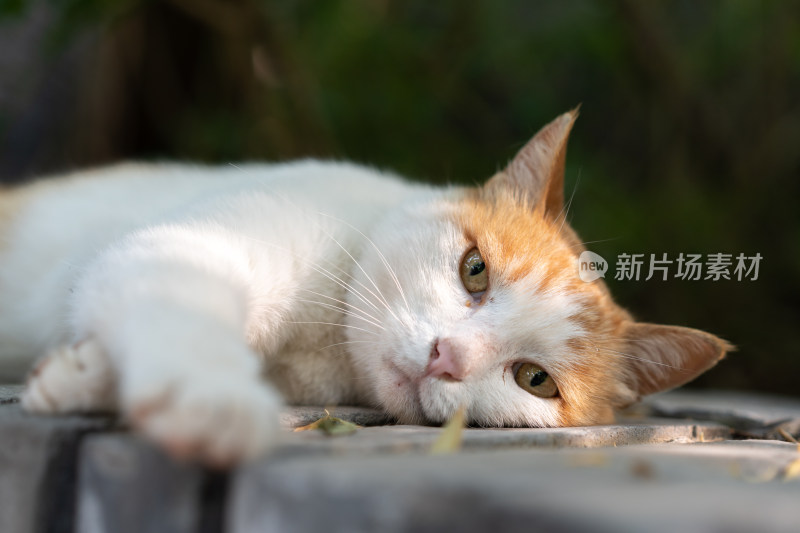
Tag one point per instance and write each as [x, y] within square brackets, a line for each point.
[331, 425]
[449, 440]
[312, 425]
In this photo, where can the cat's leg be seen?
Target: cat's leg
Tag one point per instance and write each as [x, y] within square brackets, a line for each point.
[195, 388]
[170, 307]
[72, 378]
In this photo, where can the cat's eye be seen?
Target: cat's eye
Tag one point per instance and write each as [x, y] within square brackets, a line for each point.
[535, 380]
[473, 272]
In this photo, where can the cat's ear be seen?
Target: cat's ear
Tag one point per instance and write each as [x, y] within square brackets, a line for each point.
[537, 171]
[663, 357]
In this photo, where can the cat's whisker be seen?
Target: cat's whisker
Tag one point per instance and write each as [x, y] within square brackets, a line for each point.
[380, 255]
[332, 324]
[287, 201]
[565, 208]
[346, 342]
[380, 298]
[347, 286]
[341, 309]
[593, 242]
[349, 305]
[622, 339]
[637, 358]
[321, 270]
[316, 266]
[344, 284]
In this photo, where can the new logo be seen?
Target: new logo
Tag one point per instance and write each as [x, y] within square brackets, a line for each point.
[591, 266]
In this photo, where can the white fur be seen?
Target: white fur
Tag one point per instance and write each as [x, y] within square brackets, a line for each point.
[518, 323]
[191, 282]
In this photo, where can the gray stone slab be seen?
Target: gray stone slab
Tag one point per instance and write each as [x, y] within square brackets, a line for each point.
[10, 393]
[39, 469]
[748, 460]
[752, 415]
[688, 488]
[129, 486]
[410, 439]
[123, 484]
[293, 417]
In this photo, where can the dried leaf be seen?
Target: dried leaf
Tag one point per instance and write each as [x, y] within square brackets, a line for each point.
[331, 425]
[312, 425]
[449, 440]
[642, 469]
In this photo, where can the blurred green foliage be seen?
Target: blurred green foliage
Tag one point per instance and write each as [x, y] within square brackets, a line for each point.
[687, 142]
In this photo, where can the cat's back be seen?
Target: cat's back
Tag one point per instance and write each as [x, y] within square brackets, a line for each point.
[97, 205]
[51, 228]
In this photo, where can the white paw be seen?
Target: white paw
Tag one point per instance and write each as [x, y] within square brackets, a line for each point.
[214, 417]
[71, 378]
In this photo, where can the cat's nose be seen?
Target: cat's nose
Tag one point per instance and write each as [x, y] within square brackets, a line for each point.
[445, 361]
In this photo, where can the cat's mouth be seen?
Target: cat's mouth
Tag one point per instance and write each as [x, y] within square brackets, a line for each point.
[417, 400]
[402, 380]
[406, 404]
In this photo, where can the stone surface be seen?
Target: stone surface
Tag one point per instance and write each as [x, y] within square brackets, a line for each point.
[679, 487]
[293, 417]
[408, 439]
[38, 466]
[126, 485]
[653, 474]
[10, 393]
[751, 415]
[749, 460]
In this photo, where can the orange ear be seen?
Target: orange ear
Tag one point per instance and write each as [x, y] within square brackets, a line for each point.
[537, 171]
[664, 357]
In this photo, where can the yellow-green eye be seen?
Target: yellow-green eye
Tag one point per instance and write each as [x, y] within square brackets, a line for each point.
[473, 272]
[535, 380]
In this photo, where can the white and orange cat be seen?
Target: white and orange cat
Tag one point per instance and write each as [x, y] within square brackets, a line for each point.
[195, 300]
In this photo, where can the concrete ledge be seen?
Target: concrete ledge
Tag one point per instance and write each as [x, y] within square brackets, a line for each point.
[613, 490]
[127, 486]
[87, 475]
[419, 439]
[39, 469]
[10, 393]
[294, 417]
[750, 415]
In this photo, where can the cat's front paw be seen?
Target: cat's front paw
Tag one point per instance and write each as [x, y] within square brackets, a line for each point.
[72, 378]
[217, 419]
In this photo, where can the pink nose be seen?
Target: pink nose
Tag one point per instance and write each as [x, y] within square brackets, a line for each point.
[446, 362]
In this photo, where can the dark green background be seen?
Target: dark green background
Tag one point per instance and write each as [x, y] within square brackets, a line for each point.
[688, 139]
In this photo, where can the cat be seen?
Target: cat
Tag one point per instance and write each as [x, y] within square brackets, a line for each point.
[196, 300]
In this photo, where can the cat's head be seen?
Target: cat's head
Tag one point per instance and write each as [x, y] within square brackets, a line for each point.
[478, 303]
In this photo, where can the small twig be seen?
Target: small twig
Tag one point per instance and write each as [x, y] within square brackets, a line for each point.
[788, 436]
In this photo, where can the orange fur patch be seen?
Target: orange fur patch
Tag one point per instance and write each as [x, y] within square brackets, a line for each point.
[519, 243]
